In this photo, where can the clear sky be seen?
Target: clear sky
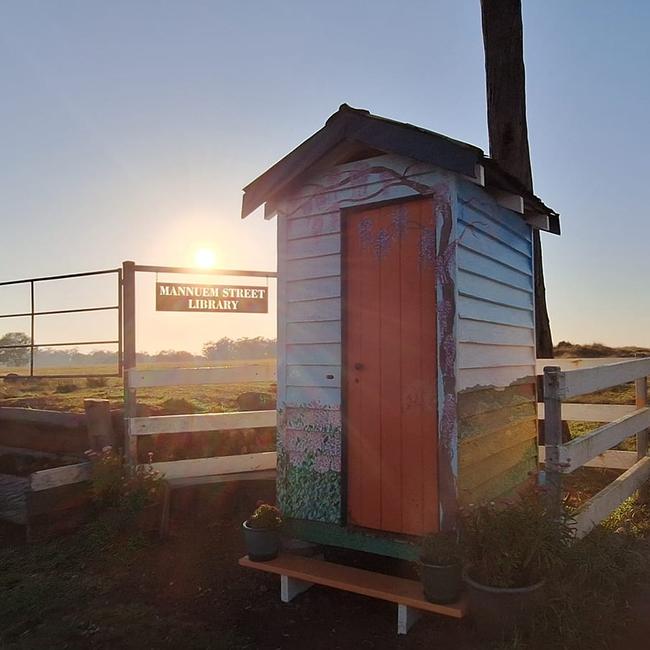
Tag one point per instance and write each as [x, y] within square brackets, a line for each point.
[128, 128]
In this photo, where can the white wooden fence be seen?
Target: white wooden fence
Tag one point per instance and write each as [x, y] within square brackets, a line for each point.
[154, 425]
[563, 379]
[568, 378]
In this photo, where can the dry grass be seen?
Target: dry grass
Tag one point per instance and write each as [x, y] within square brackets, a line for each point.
[69, 394]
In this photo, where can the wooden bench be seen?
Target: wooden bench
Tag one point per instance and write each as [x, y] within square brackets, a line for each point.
[298, 573]
[177, 483]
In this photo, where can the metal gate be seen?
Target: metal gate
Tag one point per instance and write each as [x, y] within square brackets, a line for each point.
[34, 313]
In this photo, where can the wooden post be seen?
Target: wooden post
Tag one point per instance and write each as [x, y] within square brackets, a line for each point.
[553, 380]
[128, 329]
[641, 389]
[99, 424]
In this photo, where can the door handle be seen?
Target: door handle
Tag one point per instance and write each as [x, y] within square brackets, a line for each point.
[358, 366]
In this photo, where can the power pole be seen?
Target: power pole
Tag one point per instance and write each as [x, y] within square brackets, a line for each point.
[507, 127]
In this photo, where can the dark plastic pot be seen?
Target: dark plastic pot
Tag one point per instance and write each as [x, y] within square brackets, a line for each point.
[497, 611]
[441, 583]
[262, 544]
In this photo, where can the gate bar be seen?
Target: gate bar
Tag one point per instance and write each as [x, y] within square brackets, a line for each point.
[194, 271]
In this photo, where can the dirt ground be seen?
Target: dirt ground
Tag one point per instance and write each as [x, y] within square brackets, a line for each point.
[96, 589]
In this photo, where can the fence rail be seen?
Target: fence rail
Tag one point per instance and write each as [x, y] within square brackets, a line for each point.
[197, 376]
[595, 448]
[154, 425]
[204, 422]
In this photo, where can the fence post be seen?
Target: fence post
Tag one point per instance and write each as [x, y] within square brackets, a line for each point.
[99, 423]
[641, 390]
[553, 386]
[128, 332]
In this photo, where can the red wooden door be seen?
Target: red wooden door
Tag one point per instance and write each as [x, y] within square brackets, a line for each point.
[390, 367]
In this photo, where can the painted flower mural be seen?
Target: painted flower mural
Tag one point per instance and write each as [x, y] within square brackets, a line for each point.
[309, 462]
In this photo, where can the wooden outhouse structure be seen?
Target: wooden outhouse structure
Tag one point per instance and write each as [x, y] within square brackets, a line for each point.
[406, 344]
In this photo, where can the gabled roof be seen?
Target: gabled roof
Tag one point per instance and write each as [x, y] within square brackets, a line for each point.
[360, 127]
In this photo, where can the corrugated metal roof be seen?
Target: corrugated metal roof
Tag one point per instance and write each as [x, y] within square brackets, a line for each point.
[360, 126]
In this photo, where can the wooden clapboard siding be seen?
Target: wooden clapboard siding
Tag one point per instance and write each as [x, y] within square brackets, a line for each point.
[309, 355]
[319, 332]
[502, 484]
[309, 311]
[480, 355]
[320, 224]
[315, 246]
[491, 312]
[495, 305]
[479, 449]
[476, 331]
[306, 395]
[312, 267]
[497, 376]
[314, 289]
[327, 376]
[282, 325]
[496, 348]
[469, 260]
[478, 286]
[500, 463]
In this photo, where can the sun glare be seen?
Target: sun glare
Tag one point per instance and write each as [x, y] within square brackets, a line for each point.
[205, 258]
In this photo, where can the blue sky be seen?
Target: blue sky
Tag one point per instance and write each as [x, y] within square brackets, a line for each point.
[127, 130]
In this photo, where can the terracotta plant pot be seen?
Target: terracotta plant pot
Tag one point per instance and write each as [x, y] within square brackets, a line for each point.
[262, 544]
[441, 583]
[499, 611]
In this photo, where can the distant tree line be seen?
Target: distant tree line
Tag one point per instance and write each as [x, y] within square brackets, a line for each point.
[223, 349]
[245, 348]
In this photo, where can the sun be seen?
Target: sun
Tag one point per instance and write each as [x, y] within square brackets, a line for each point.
[205, 258]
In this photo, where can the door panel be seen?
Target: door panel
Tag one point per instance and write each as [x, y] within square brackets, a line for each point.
[390, 368]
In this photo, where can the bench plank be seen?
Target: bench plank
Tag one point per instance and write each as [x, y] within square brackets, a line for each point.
[359, 581]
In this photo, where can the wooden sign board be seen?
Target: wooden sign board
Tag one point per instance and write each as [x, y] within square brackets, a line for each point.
[212, 297]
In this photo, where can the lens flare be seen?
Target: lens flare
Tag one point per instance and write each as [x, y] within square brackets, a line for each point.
[205, 258]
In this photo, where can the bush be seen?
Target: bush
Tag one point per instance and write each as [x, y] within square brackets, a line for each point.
[440, 549]
[115, 484]
[65, 387]
[96, 382]
[516, 543]
[178, 406]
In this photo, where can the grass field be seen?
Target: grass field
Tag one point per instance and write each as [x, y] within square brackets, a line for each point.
[68, 394]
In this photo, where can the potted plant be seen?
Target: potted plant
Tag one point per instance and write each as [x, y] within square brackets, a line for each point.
[511, 548]
[441, 567]
[262, 533]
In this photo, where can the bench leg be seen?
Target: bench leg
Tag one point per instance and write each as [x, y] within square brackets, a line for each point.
[292, 587]
[406, 618]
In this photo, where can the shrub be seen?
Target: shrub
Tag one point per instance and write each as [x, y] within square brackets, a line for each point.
[265, 516]
[516, 543]
[96, 382]
[115, 484]
[441, 549]
[106, 477]
[65, 387]
[178, 406]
